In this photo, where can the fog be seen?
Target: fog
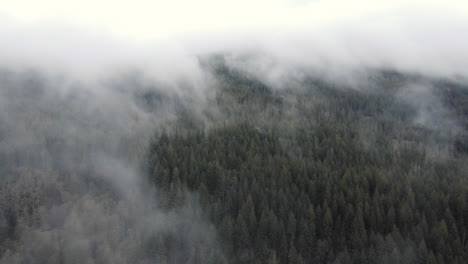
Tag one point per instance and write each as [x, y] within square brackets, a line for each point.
[404, 35]
[74, 127]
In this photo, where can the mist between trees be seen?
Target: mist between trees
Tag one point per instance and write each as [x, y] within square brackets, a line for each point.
[130, 170]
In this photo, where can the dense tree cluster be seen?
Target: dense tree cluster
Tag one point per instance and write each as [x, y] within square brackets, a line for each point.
[70, 186]
[324, 175]
[371, 169]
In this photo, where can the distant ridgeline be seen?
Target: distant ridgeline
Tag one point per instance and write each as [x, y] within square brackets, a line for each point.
[326, 173]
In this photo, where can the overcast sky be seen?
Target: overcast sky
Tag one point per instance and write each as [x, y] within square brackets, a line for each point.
[409, 34]
[156, 19]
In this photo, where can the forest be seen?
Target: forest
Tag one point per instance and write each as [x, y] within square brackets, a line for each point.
[234, 132]
[327, 174]
[319, 171]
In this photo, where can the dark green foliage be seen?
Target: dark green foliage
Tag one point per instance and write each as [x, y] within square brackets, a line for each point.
[348, 179]
[319, 172]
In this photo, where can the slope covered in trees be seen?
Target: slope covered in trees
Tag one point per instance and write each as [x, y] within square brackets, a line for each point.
[327, 174]
[370, 169]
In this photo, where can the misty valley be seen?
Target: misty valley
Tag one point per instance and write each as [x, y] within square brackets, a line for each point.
[365, 166]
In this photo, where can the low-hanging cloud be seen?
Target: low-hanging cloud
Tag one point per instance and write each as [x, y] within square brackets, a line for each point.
[74, 124]
[405, 35]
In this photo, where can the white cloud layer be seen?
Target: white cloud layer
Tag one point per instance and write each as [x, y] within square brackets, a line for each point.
[92, 36]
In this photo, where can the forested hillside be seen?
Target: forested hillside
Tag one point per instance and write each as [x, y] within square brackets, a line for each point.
[234, 132]
[375, 173]
[371, 168]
